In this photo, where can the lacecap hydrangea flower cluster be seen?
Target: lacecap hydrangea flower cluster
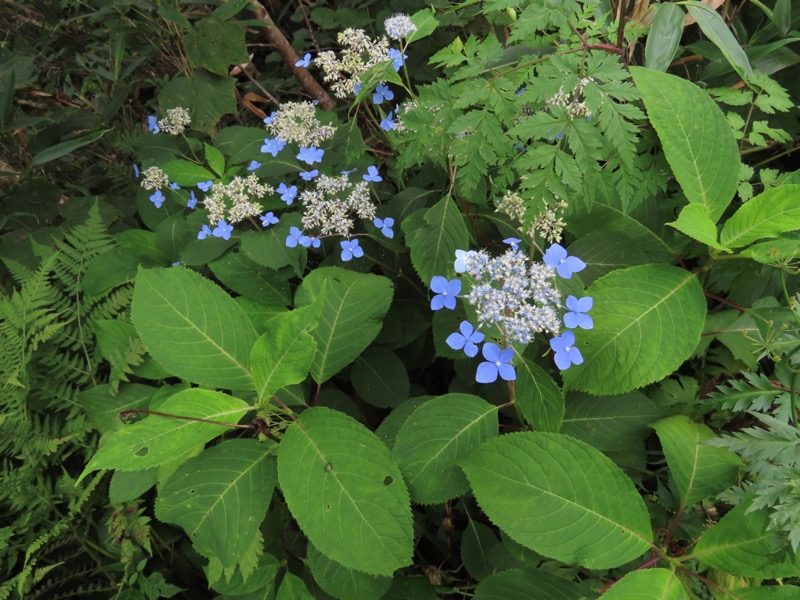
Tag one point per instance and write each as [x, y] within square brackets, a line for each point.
[518, 297]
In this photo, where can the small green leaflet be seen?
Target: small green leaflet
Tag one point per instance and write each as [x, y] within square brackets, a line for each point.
[768, 215]
[648, 584]
[434, 245]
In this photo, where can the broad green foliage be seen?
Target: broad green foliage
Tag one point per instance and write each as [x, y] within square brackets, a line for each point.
[768, 215]
[157, 439]
[699, 470]
[341, 582]
[353, 306]
[207, 97]
[651, 584]
[215, 45]
[698, 143]
[648, 321]
[346, 493]
[433, 244]
[216, 497]
[193, 328]
[561, 498]
[520, 584]
[435, 438]
[540, 400]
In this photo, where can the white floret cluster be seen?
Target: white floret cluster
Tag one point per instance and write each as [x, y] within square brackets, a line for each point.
[234, 201]
[176, 121]
[154, 178]
[330, 205]
[359, 54]
[298, 122]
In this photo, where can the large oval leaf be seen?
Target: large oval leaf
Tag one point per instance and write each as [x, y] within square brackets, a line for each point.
[157, 439]
[345, 491]
[343, 583]
[698, 142]
[768, 215]
[524, 584]
[435, 438]
[647, 321]
[699, 470]
[743, 544]
[649, 584]
[561, 498]
[351, 318]
[220, 497]
[193, 328]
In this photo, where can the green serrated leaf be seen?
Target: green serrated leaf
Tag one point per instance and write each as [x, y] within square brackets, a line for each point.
[341, 582]
[193, 328]
[157, 439]
[426, 23]
[538, 397]
[698, 142]
[694, 222]
[435, 438]
[206, 97]
[345, 492]
[524, 584]
[561, 498]
[268, 248]
[768, 215]
[743, 544]
[220, 497]
[648, 584]
[284, 353]
[699, 470]
[262, 284]
[214, 45]
[293, 588]
[433, 247]
[647, 321]
[215, 160]
[351, 318]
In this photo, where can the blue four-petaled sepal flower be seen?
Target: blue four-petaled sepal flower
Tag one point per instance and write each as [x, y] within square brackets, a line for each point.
[157, 198]
[222, 230]
[152, 124]
[204, 186]
[310, 155]
[388, 123]
[513, 242]
[397, 58]
[268, 219]
[294, 237]
[460, 264]
[466, 340]
[254, 164]
[566, 354]
[304, 62]
[288, 194]
[372, 174]
[576, 316]
[385, 225]
[192, 201]
[382, 92]
[268, 119]
[204, 232]
[309, 175]
[556, 258]
[446, 292]
[498, 362]
[273, 146]
[174, 186]
[350, 249]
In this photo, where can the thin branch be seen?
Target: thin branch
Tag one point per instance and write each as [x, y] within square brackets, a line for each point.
[275, 36]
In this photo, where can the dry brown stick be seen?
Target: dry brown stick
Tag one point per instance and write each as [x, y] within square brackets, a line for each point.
[275, 36]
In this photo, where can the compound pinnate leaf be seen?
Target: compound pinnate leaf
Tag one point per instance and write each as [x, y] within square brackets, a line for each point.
[157, 439]
[352, 315]
[768, 215]
[699, 470]
[193, 328]
[435, 438]
[220, 497]
[648, 584]
[345, 492]
[561, 498]
[743, 544]
[341, 582]
[647, 321]
[698, 142]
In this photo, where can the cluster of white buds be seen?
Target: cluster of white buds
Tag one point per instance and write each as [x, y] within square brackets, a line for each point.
[154, 178]
[513, 293]
[512, 205]
[330, 205]
[399, 26]
[572, 100]
[549, 223]
[359, 54]
[234, 201]
[176, 121]
[298, 122]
